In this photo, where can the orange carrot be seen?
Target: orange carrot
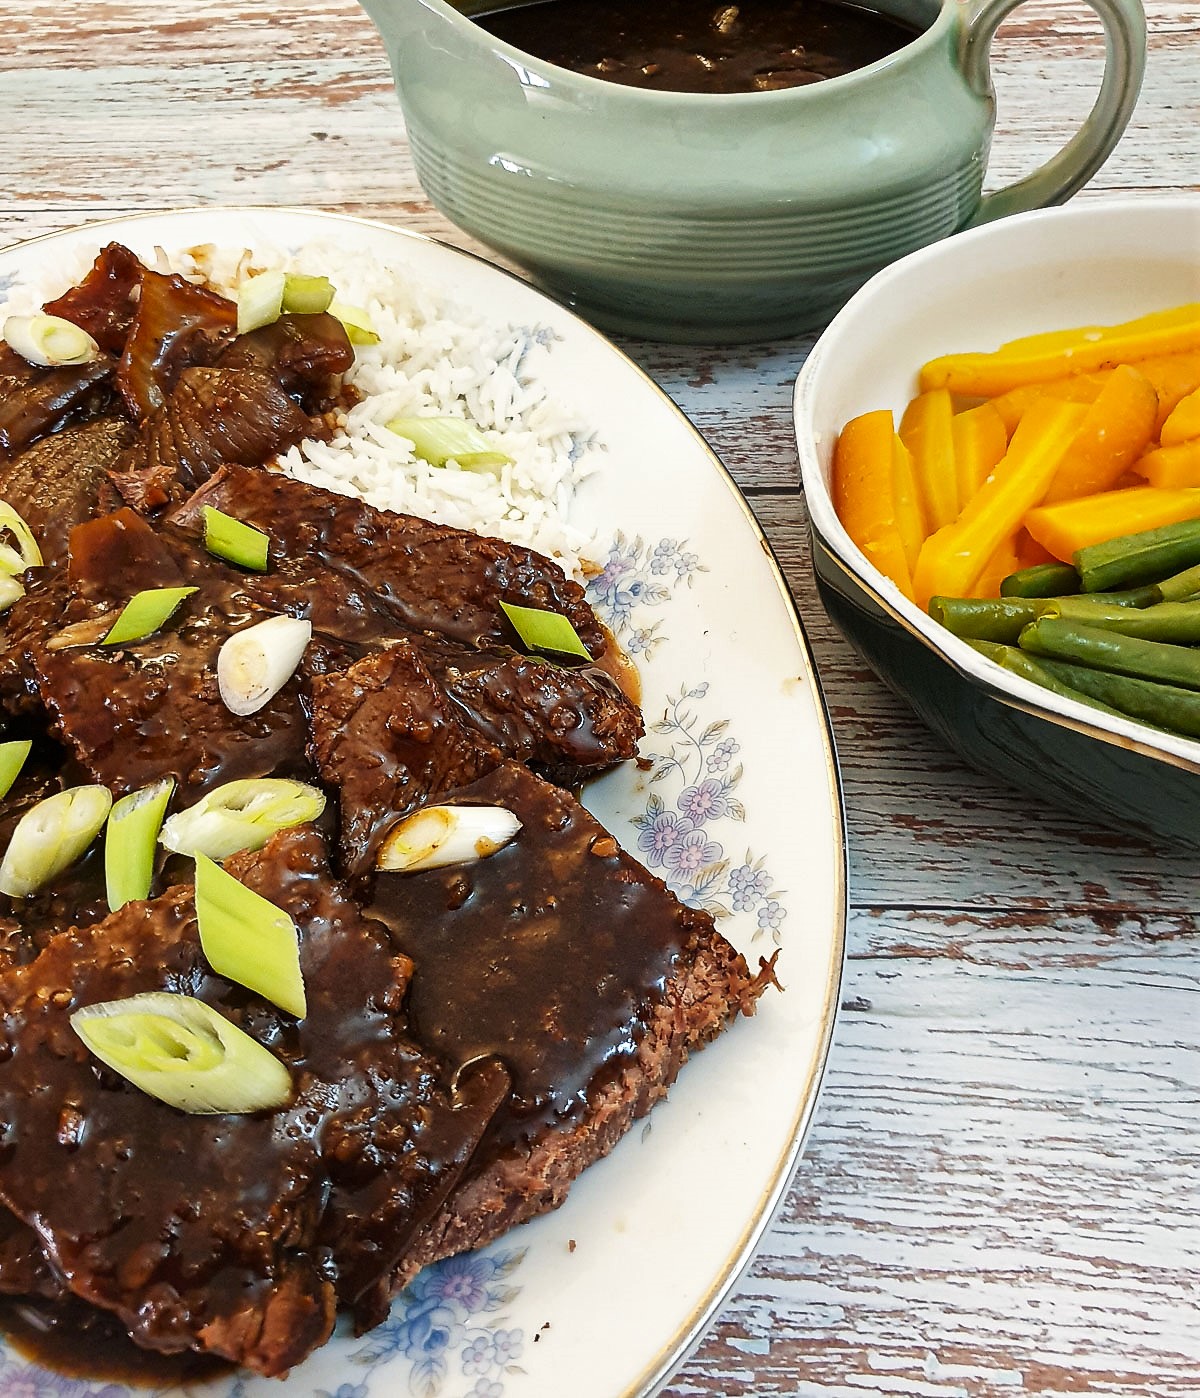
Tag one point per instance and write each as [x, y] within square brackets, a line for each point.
[1037, 358]
[980, 440]
[1074, 524]
[864, 493]
[1171, 466]
[925, 430]
[1115, 432]
[953, 558]
[1183, 424]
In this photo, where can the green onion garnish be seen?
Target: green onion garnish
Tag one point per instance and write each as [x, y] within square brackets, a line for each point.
[235, 540]
[180, 1050]
[306, 296]
[259, 301]
[51, 836]
[144, 613]
[360, 329]
[441, 439]
[10, 591]
[12, 759]
[541, 630]
[241, 815]
[248, 939]
[130, 841]
[26, 554]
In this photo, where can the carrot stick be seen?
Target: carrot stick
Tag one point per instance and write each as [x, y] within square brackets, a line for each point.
[1117, 429]
[1183, 424]
[1093, 519]
[980, 440]
[926, 431]
[953, 558]
[1037, 358]
[1171, 466]
[864, 493]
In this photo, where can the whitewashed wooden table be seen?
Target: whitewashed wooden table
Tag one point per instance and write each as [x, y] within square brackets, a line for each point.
[1001, 1193]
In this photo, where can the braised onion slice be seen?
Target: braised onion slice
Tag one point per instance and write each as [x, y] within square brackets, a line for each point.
[182, 1051]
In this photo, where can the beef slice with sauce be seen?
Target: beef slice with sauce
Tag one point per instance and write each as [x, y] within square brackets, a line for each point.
[133, 713]
[385, 736]
[36, 401]
[429, 577]
[232, 1234]
[581, 971]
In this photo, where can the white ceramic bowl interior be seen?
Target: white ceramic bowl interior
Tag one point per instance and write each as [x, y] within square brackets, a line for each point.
[1090, 263]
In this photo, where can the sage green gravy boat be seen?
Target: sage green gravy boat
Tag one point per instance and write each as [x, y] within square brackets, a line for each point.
[724, 217]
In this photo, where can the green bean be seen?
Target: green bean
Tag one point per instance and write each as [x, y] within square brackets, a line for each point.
[1159, 705]
[1042, 580]
[985, 618]
[1181, 585]
[1019, 662]
[1139, 558]
[1063, 639]
[1176, 622]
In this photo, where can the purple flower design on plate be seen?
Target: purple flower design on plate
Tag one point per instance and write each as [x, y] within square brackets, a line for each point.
[747, 884]
[719, 759]
[479, 1356]
[661, 835]
[707, 801]
[463, 1280]
[771, 914]
[487, 1388]
[693, 853]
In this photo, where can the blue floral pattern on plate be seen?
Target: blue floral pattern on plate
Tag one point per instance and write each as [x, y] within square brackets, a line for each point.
[696, 759]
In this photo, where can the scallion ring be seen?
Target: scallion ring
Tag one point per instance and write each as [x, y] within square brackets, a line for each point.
[130, 840]
[13, 756]
[241, 815]
[254, 665]
[51, 836]
[438, 836]
[49, 341]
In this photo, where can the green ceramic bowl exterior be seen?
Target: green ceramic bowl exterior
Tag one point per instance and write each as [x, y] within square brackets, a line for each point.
[692, 216]
[1045, 756]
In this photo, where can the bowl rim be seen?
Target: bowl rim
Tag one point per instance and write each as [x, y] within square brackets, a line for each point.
[1127, 734]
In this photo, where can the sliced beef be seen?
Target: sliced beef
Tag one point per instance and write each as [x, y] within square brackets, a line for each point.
[35, 402]
[385, 736]
[581, 970]
[216, 1232]
[24, 1270]
[105, 302]
[568, 723]
[430, 577]
[176, 324]
[55, 484]
[133, 713]
[306, 354]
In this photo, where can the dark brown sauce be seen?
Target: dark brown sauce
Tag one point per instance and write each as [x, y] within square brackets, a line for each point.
[702, 45]
[81, 1342]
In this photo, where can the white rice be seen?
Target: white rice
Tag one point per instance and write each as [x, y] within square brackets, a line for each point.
[435, 359]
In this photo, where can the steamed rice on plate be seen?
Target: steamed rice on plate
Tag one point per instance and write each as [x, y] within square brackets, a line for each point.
[434, 358]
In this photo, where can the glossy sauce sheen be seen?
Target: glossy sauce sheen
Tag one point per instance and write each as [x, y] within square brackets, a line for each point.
[701, 46]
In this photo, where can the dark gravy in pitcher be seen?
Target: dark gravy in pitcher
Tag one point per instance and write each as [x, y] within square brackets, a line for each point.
[702, 45]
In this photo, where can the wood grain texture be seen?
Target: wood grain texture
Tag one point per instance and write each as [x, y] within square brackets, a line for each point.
[1001, 1192]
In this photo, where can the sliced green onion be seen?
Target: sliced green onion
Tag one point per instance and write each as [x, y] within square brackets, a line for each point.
[12, 759]
[130, 841]
[259, 301]
[241, 815]
[235, 540]
[26, 554]
[50, 341]
[360, 329]
[254, 665]
[542, 630]
[10, 591]
[51, 836]
[306, 296]
[441, 439]
[438, 836]
[144, 613]
[248, 939]
[180, 1050]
